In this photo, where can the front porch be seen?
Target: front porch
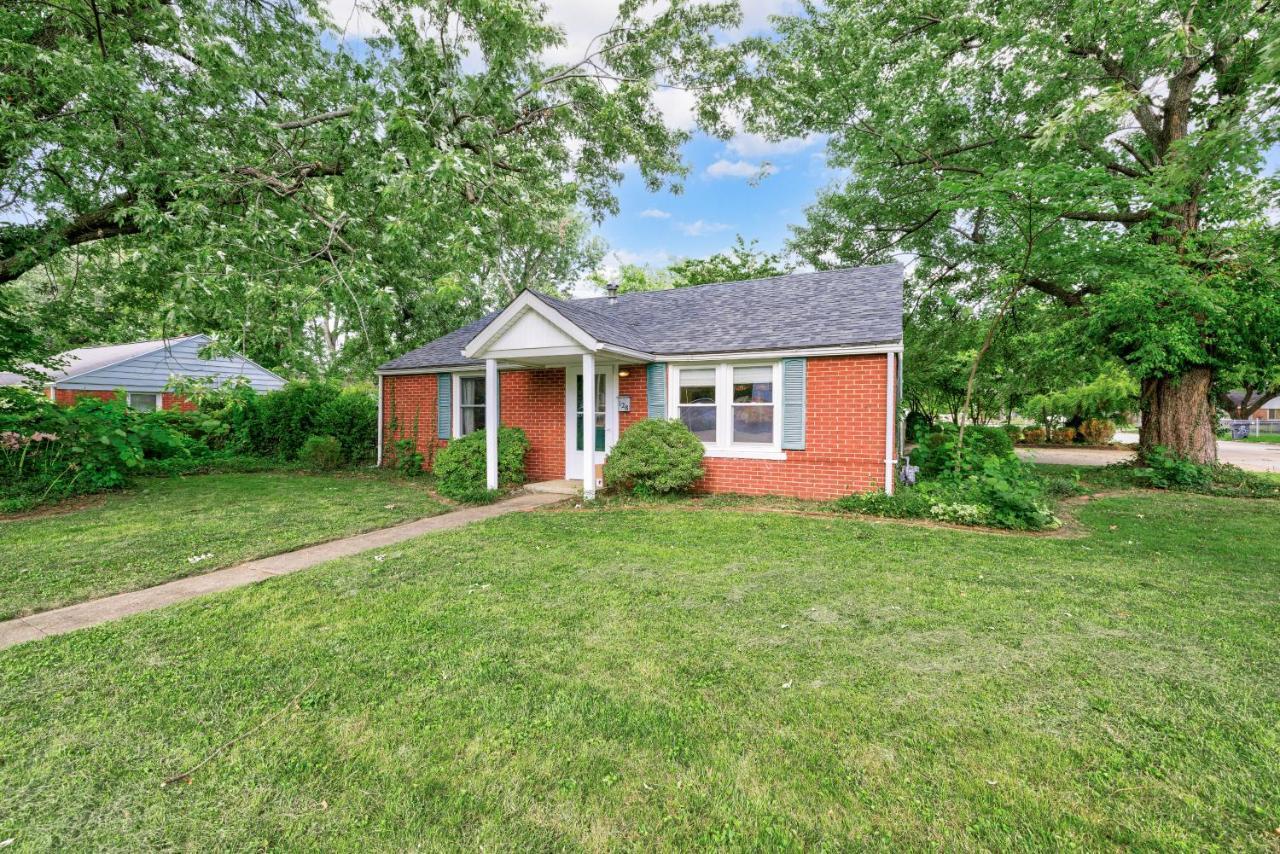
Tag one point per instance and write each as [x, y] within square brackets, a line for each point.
[530, 335]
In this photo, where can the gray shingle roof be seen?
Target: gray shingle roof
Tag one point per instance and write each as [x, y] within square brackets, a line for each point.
[849, 307]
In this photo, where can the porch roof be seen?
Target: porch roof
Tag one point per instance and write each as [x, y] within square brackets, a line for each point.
[857, 306]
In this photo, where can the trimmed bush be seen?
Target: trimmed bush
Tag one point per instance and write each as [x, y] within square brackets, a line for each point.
[351, 418]
[1033, 435]
[655, 458]
[1097, 431]
[1064, 435]
[321, 453]
[460, 465]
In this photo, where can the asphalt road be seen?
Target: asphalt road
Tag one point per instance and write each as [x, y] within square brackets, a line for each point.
[1251, 456]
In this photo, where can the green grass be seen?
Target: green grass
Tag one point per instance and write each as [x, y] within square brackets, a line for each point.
[1267, 438]
[144, 536]
[658, 678]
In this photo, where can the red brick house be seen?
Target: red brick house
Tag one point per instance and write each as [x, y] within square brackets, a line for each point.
[791, 382]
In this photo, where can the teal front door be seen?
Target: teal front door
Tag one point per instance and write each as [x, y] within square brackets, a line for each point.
[601, 399]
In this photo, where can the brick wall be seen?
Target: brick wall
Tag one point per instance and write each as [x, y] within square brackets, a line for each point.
[409, 412]
[534, 402]
[636, 386]
[844, 438]
[845, 427]
[68, 397]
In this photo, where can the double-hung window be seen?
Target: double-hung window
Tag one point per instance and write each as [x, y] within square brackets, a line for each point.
[470, 404]
[730, 407]
[698, 402]
[753, 405]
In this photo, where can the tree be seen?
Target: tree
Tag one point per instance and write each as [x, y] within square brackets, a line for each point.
[741, 262]
[227, 166]
[1103, 157]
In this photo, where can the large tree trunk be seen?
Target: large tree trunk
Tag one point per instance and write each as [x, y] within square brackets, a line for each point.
[1177, 413]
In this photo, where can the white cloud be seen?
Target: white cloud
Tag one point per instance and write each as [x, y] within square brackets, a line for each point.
[655, 213]
[755, 145]
[739, 169]
[701, 227]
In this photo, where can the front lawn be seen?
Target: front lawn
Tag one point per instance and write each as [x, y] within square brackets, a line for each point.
[668, 678]
[165, 528]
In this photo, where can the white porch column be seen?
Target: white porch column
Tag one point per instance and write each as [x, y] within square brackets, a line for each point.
[588, 425]
[491, 422]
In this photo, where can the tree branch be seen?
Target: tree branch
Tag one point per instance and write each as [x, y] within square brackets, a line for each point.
[340, 113]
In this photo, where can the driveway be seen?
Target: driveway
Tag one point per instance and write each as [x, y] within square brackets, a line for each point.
[1250, 456]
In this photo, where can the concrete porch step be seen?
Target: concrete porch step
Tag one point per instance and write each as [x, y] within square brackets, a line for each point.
[555, 487]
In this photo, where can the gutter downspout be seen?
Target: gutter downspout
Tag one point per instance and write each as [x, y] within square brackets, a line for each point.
[890, 422]
[380, 427]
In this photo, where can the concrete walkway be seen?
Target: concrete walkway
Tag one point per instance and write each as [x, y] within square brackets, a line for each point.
[92, 613]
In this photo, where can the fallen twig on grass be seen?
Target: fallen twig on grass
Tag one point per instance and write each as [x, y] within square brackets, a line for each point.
[186, 775]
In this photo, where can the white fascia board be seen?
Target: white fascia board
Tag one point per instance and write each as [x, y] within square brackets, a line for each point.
[477, 346]
[809, 352]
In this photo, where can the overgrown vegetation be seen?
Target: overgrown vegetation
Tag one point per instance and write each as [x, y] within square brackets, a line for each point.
[979, 482]
[655, 457]
[460, 467]
[49, 452]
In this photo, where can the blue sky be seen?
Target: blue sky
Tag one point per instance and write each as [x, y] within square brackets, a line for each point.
[744, 186]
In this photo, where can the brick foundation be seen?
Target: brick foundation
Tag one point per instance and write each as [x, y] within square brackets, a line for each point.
[844, 431]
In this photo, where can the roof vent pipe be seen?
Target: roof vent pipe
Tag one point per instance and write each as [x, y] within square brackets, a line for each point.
[612, 289]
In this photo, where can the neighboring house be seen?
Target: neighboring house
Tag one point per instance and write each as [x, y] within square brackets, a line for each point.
[1268, 410]
[143, 370]
[791, 382]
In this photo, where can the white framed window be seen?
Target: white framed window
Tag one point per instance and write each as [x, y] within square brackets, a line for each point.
[697, 399]
[145, 401]
[469, 397]
[731, 407]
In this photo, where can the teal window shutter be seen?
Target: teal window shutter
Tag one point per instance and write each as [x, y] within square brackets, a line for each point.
[793, 404]
[657, 390]
[444, 406]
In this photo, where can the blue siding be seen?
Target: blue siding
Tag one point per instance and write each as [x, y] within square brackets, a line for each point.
[151, 371]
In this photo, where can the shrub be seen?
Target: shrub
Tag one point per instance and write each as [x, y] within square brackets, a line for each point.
[655, 458]
[49, 451]
[321, 453]
[1013, 431]
[1064, 435]
[460, 465]
[937, 452]
[917, 425]
[1004, 495]
[352, 418]
[1163, 469]
[1033, 435]
[1097, 431]
[285, 418]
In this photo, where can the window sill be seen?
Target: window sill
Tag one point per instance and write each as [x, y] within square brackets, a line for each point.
[744, 453]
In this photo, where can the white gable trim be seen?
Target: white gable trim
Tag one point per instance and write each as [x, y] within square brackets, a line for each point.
[526, 302]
